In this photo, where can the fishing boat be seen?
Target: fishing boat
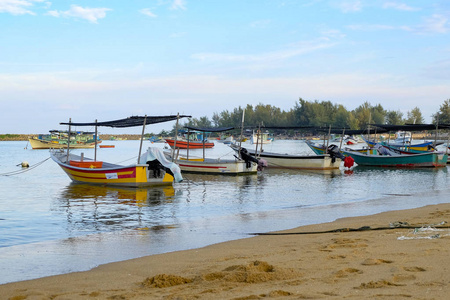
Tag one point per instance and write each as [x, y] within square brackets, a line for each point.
[331, 160]
[187, 144]
[58, 139]
[404, 137]
[383, 157]
[424, 146]
[321, 149]
[190, 140]
[259, 137]
[241, 164]
[151, 168]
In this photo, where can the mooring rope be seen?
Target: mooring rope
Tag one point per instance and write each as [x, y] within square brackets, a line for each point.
[397, 225]
[23, 170]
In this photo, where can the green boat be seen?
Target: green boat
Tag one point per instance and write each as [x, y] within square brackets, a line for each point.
[394, 160]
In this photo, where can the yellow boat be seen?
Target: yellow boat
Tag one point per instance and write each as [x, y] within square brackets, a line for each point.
[58, 139]
[152, 168]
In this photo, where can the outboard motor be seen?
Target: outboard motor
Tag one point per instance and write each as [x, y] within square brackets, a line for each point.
[156, 167]
[249, 159]
[334, 152]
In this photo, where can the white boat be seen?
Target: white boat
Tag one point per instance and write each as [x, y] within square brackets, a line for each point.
[259, 137]
[240, 164]
[402, 137]
[292, 161]
[216, 165]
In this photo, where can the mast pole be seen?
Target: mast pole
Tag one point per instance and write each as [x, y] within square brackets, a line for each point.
[242, 130]
[96, 137]
[204, 141]
[142, 138]
[175, 139]
[68, 141]
[342, 138]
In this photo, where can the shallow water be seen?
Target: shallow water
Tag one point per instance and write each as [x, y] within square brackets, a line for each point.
[50, 226]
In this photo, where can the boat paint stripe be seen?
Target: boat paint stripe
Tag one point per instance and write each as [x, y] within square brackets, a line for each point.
[202, 167]
[127, 173]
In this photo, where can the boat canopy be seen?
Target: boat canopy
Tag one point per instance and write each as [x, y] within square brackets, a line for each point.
[220, 129]
[412, 127]
[130, 121]
[358, 131]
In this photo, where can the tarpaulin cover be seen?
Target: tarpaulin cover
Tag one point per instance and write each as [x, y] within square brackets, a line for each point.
[130, 122]
[412, 127]
[209, 129]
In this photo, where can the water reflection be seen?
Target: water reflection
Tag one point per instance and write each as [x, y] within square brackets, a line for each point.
[208, 186]
[93, 209]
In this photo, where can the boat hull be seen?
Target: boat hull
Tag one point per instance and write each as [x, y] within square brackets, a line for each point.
[217, 167]
[420, 160]
[214, 166]
[112, 175]
[307, 162]
[191, 145]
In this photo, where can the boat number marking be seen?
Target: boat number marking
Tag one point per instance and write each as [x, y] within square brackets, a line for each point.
[111, 176]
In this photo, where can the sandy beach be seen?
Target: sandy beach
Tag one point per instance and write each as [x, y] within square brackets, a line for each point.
[336, 260]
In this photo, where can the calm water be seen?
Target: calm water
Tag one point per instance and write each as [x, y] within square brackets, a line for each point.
[50, 226]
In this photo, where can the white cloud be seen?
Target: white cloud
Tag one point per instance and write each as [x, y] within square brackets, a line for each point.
[377, 27]
[178, 4]
[399, 6]
[90, 14]
[348, 6]
[260, 24]
[17, 7]
[292, 51]
[176, 35]
[147, 12]
[437, 23]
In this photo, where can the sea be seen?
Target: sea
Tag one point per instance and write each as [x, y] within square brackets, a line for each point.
[50, 226]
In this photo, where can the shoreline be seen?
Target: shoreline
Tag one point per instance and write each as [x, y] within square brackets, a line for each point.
[361, 264]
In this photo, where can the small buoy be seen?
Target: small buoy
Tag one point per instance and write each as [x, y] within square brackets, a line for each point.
[25, 164]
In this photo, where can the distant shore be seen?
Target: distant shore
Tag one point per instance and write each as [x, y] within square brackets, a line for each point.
[105, 137]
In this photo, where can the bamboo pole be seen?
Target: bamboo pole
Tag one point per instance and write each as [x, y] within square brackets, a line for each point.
[175, 139]
[96, 137]
[68, 141]
[142, 138]
[342, 138]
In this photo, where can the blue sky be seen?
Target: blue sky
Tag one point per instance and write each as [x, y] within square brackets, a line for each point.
[108, 59]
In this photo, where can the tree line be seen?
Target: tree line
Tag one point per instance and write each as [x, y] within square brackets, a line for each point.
[315, 114]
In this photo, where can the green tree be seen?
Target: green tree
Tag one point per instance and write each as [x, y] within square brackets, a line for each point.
[443, 115]
[342, 117]
[367, 114]
[362, 115]
[394, 117]
[414, 116]
[319, 114]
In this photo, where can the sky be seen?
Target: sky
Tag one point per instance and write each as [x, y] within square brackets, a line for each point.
[111, 59]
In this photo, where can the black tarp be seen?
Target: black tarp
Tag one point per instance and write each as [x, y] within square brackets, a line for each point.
[130, 121]
[411, 127]
[220, 129]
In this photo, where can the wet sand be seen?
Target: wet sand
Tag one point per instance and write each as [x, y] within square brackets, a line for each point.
[384, 262]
